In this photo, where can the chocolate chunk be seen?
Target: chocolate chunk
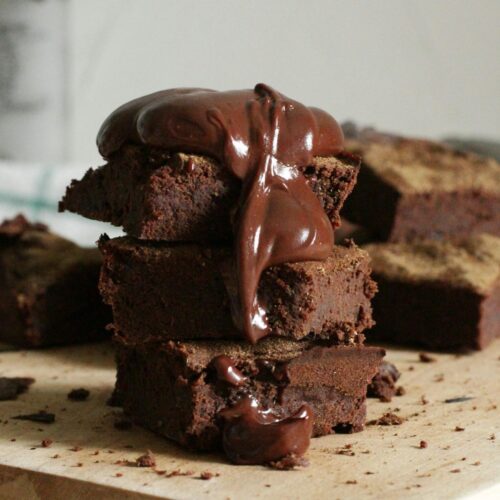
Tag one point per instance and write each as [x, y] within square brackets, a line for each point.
[78, 394]
[42, 417]
[146, 460]
[426, 358]
[11, 387]
[460, 399]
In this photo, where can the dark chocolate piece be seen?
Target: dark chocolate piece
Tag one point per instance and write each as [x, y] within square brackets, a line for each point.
[460, 399]
[174, 389]
[48, 288]
[178, 292]
[252, 435]
[262, 138]
[441, 295]
[41, 417]
[409, 189]
[78, 394]
[11, 387]
[383, 385]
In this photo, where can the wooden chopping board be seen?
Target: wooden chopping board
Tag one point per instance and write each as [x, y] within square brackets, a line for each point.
[386, 462]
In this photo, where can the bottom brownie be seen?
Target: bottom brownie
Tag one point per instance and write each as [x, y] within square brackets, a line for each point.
[176, 388]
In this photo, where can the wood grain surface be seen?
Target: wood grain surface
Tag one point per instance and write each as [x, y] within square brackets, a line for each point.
[87, 454]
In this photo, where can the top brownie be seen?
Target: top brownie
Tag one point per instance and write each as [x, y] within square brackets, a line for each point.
[157, 195]
[412, 188]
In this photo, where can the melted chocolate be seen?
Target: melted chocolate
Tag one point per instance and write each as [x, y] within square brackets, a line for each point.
[227, 371]
[252, 435]
[263, 138]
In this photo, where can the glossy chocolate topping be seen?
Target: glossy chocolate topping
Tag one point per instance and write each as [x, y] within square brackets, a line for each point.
[252, 435]
[227, 371]
[263, 138]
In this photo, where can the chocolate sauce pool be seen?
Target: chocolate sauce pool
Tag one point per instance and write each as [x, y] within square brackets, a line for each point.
[263, 138]
[252, 434]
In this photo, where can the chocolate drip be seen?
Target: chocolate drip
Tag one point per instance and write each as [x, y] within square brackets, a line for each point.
[227, 371]
[252, 435]
[264, 138]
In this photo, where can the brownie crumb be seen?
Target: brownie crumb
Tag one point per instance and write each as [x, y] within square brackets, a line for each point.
[55, 456]
[175, 473]
[460, 399]
[345, 450]
[426, 358]
[76, 448]
[123, 425]
[42, 417]
[78, 394]
[118, 474]
[383, 384]
[46, 443]
[387, 419]
[146, 460]
[477, 463]
[459, 429]
[423, 444]
[455, 471]
[289, 462]
[11, 387]
[424, 400]
[351, 481]
[400, 391]
[492, 437]
[207, 475]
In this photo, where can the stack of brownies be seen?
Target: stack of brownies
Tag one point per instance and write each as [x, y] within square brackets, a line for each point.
[433, 216]
[184, 368]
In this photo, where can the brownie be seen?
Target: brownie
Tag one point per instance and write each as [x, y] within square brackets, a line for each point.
[173, 388]
[383, 384]
[180, 291]
[48, 288]
[157, 195]
[411, 188]
[439, 294]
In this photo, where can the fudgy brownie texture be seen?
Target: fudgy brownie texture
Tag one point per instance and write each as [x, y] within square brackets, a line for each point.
[157, 195]
[173, 388]
[410, 188]
[439, 294]
[383, 385]
[167, 291]
[48, 288]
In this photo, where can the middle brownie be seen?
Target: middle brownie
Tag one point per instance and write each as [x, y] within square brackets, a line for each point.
[164, 291]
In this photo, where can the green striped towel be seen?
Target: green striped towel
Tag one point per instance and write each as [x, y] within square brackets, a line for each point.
[35, 190]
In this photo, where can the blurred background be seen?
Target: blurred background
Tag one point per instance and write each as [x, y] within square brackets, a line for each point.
[422, 67]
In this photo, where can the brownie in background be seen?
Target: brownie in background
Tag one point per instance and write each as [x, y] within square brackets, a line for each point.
[411, 189]
[48, 288]
[438, 294]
